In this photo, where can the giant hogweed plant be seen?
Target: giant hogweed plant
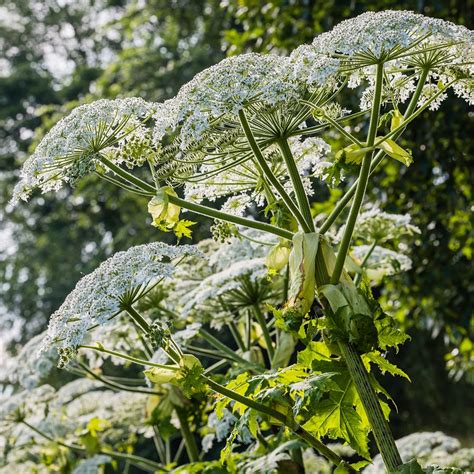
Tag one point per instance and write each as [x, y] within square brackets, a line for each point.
[266, 337]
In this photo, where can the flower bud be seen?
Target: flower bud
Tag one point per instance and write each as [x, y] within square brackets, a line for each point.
[302, 263]
[277, 258]
[165, 215]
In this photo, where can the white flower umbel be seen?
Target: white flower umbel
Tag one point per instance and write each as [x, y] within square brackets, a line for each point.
[375, 225]
[30, 367]
[100, 295]
[92, 465]
[224, 89]
[310, 157]
[381, 262]
[243, 182]
[401, 39]
[249, 244]
[383, 35]
[14, 408]
[220, 283]
[70, 149]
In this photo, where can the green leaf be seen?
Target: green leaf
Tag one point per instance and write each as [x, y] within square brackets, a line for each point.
[182, 228]
[352, 154]
[336, 417]
[159, 375]
[384, 365]
[278, 257]
[411, 467]
[189, 377]
[396, 152]
[97, 424]
[314, 351]
[284, 350]
[388, 334]
[397, 119]
[90, 442]
[164, 214]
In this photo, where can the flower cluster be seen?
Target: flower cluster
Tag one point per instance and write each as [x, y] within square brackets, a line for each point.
[373, 36]
[238, 273]
[311, 159]
[70, 149]
[375, 225]
[100, 295]
[31, 367]
[429, 449]
[14, 408]
[243, 182]
[402, 40]
[381, 261]
[225, 89]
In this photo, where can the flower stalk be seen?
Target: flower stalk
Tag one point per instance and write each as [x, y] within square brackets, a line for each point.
[363, 179]
[268, 173]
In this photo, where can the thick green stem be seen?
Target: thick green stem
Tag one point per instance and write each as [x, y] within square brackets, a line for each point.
[295, 177]
[143, 324]
[189, 440]
[213, 213]
[282, 418]
[138, 318]
[377, 160]
[363, 179]
[266, 333]
[381, 430]
[268, 172]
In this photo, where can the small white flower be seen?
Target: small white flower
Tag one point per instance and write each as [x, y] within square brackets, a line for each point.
[30, 367]
[401, 39]
[92, 465]
[374, 225]
[224, 89]
[69, 150]
[381, 262]
[98, 296]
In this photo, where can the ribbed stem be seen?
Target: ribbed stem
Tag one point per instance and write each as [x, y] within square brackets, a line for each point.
[360, 377]
[213, 213]
[363, 179]
[189, 440]
[269, 174]
[138, 318]
[381, 430]
[295, 177]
